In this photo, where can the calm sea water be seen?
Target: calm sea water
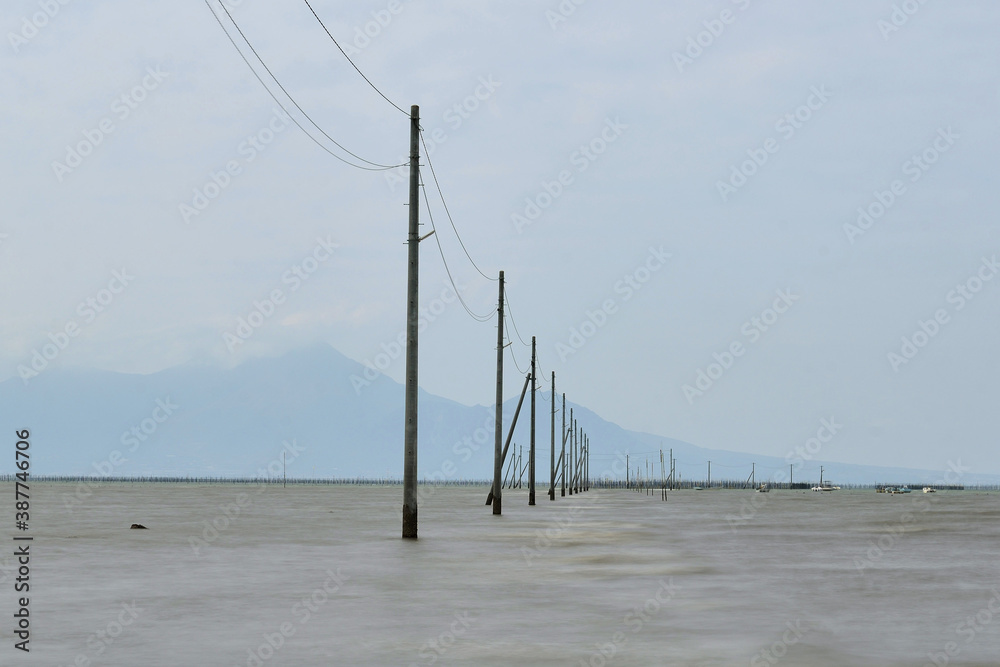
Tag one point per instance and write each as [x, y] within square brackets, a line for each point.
[606, 577]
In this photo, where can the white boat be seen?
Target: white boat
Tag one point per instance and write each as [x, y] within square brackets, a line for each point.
[930, 489]
[763, 488]
[824, 486]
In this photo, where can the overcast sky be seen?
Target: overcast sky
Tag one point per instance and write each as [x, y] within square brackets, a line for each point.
[694, 165]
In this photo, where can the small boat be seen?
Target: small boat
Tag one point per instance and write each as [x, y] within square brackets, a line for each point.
[930, 489]
[762, 488]
[824, 486]
[905, 489]
[697, 488]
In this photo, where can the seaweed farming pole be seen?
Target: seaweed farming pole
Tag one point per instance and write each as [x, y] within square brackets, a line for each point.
[531, 446]
[412, 321]
[498, 434]
[563, 456]
[552, 447]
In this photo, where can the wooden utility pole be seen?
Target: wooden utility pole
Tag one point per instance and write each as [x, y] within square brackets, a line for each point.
[498, 442]
[552, 447]
[531, 446]
[563, 457]
[412, 321]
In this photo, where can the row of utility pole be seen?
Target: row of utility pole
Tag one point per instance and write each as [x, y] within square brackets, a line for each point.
[572, 471]
[575, 468]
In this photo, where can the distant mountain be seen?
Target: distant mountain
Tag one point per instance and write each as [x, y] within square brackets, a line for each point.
[194, 420]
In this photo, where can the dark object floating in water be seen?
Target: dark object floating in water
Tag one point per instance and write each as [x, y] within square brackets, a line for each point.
[138, 526]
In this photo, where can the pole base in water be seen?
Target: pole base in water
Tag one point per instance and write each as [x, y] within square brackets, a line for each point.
[497, 506]
[409, 523]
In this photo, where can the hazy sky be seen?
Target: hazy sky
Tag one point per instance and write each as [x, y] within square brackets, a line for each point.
[695, 165]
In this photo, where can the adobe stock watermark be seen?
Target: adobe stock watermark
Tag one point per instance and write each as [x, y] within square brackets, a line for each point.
[915, 168]
[394, 349]
[581, 159]
[32, 25]
[892, 535]
[796, 457]
[778, 649]
[753, 329]
[787, 126]
[433, 649]
[625, 288]
[132, 439]
[464, 449]
[246, 152]
[704, 39]
[264, 309]
[302, 612]
[100, 641]
[371, 30]
[121, 108]
[454, 117]
[562, 13]
[634, 621]
[230, 512]
[928, 329]
[87, 310]
[899, 16]
[968, 630]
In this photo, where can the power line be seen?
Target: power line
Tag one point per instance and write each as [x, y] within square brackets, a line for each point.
[512, 355]
[512, 319]
[427, 153]
[374, 87]
[478, 318]
[376, 167]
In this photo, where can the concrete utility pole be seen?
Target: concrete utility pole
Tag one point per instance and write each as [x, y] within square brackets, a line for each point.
[498, 443]
[572, 439]
[710, 474]
[552, 447]
[412, 320]
[563, 457]
[531, 446]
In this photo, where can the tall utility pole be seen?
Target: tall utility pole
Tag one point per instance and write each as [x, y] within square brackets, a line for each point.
[531, 447]
[412, 320]
[626, 471]
[563, 456]
[552, 447]
[671, 468]
[498, 442]
[572, 440]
